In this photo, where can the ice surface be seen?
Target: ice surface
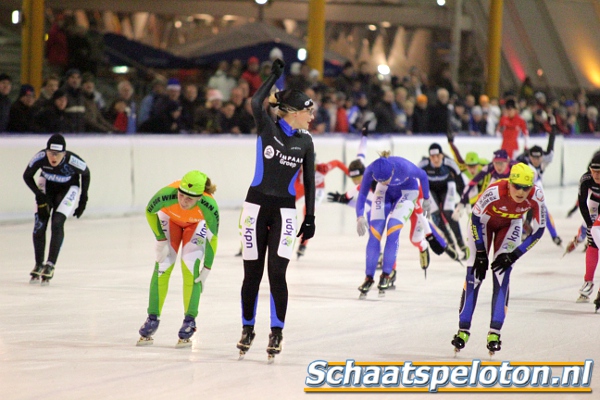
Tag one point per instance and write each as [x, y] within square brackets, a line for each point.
[75, 339]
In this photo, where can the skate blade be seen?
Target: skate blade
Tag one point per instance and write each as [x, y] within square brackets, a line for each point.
[582, 299]
[34, 281]
[270, 358]
[144, 341]
[241, 355]
[45, 282]
[362, 296]
[381, 293]
[183, 343]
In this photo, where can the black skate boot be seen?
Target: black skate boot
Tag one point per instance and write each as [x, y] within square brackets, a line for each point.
[301, 250]
[147, 330]
[597, 302]
[557, 241]
[47, 274]
[274, 347]
[246, 340]
[424, 259]
[493, 342]
[35, 273]
[385, 282]
[186, 332]
[364, 288]
[460, 340]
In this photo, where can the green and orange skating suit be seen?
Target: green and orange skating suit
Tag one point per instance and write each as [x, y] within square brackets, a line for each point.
[195, 230]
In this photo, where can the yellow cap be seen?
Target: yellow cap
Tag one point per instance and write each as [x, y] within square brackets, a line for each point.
[193, 183]
[521, 174]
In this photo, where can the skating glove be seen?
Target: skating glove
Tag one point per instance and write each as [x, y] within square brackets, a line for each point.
[426, 206]
[81, 207]
[277, 67]
[307, 229]
[41, 199]
[435, 246]
[362, 226]
[503, 262]
[364, 131]
[162, 250]
[337, 198]
[480, 265]
[458, 211]
[202, 278]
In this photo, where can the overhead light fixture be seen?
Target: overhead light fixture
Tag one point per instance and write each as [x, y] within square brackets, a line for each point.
[383, 69]
[120, 69]
[261, 2]
[301, 54]
[441, 3]
[16, 17]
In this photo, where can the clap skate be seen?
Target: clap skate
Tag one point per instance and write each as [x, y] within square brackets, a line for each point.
[147, 330]
[364, 288]
[386, 282]
[493, 343]
[246, 340]
[274, 346]
[301, 251]
[35, 273]
[597, 302]
[585, 292]
[460, 340]
[424, 260]
[186, 332]
[47, 274]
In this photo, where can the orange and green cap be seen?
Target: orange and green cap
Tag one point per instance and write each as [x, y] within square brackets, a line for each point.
[521, 174]
[193, 183]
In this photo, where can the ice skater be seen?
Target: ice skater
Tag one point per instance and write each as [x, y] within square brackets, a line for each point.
[497, 219]
[183, 214]
[394, 199]
[268, 218]
[55, 195]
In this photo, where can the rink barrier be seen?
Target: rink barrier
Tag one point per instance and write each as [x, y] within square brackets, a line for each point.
[127, 170]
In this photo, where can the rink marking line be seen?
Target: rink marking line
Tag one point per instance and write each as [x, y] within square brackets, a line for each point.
[463, 390]
[463, 363]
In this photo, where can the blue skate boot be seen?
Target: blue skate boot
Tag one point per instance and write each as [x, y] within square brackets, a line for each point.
[147, 330]
[186, 332]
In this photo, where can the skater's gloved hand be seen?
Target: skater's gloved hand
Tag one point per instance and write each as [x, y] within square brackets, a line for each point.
[426, 206]
[41, 199]
[277, 67]
[458, 211]
[435, 246]
[480, 265]
[362, 226]
[202, 278]
[307, 229]
[364, 131]
[81, 207]
[162, 250]
[337, 198]
[503, 262]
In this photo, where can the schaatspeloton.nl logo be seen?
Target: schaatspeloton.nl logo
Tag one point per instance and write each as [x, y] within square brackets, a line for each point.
[463, 376]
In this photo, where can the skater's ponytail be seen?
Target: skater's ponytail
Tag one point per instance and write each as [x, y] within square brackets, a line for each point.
[210, 188]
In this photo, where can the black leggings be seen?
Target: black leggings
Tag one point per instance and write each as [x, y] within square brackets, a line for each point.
[57, 232]
[268, 234]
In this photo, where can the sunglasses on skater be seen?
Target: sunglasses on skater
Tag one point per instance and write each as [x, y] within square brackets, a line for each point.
[522, 187]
